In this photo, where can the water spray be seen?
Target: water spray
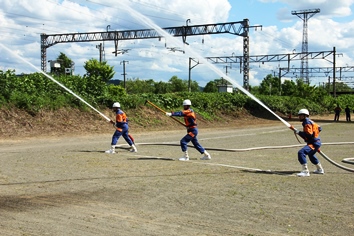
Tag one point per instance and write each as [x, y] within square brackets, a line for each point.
[190, 51]
[145, 20]
[55, 81]
[148, 22]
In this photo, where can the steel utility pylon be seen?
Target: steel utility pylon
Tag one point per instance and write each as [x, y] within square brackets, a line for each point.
[305, 15]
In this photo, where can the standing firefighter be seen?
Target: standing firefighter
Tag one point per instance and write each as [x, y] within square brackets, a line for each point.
[192, 131]
[311, 136]
[347, 113]
[122, 128]
[337, 111]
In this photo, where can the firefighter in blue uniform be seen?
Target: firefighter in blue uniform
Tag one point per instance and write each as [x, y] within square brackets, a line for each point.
[122, 129]
[192, 131]
[310, 134]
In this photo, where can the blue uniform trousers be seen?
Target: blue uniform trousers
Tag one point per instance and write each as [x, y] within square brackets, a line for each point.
[191, 136]
[123, 133]
[307, 150]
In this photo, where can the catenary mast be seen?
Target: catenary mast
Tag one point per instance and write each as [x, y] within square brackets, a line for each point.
[305, 15]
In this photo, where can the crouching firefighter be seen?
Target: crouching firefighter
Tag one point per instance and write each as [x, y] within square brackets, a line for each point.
[122, 129]
[311, 136]
[192, 131]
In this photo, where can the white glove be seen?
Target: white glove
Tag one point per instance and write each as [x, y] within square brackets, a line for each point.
[296, 131]
[168, 114]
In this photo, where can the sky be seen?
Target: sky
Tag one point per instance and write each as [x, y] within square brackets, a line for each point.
[23, 21]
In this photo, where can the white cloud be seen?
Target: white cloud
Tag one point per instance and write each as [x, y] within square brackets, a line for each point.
[23, 21]
[328, 8]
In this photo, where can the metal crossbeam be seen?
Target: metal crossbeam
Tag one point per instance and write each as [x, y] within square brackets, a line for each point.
[275, 58]
[271, 58]
[235, 28]
[239, 28]
[317, 70]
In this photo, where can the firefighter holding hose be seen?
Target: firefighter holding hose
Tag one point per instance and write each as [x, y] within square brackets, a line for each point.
[310, 134]
[192, 131]
[122, 129]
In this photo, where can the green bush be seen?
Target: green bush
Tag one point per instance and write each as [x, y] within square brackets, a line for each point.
[35, 91]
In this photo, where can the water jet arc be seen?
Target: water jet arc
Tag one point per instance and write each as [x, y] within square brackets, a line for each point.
[55, 81]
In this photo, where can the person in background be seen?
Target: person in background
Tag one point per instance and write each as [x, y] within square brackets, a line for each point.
[337, 111]
[192, 131]
[122, 129]
[347, 113]
[311, 136]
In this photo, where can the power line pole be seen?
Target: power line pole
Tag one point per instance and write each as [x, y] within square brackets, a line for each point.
[305, 15]
[124, 74]
[104, 52]
[99, 47]
[189, 74]
[226, 73]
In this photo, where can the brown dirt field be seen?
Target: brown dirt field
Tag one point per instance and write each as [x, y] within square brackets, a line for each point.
[55, 179]
[16, 123]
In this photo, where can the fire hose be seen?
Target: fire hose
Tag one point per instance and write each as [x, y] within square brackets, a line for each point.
[290, 126]
[346, 160]
[158, 108]
[324, 155]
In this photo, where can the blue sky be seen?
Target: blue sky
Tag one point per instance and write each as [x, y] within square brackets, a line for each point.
[24, 21]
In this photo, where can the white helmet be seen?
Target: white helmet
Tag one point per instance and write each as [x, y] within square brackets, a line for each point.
[304, 112]
[116, 104]
[187, 102]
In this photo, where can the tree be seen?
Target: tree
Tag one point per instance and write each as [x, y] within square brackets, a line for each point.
[270, 85]
[288, 88]
[94, 82]
[65, 62]
[254, 89]
[304, 90]
[340, 87]
[137, 86]
[211, 87]
[162, 87]
[195, 86]
[178, 85]
[94, 68]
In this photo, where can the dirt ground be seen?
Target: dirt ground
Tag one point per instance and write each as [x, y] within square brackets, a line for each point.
[62, 183]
